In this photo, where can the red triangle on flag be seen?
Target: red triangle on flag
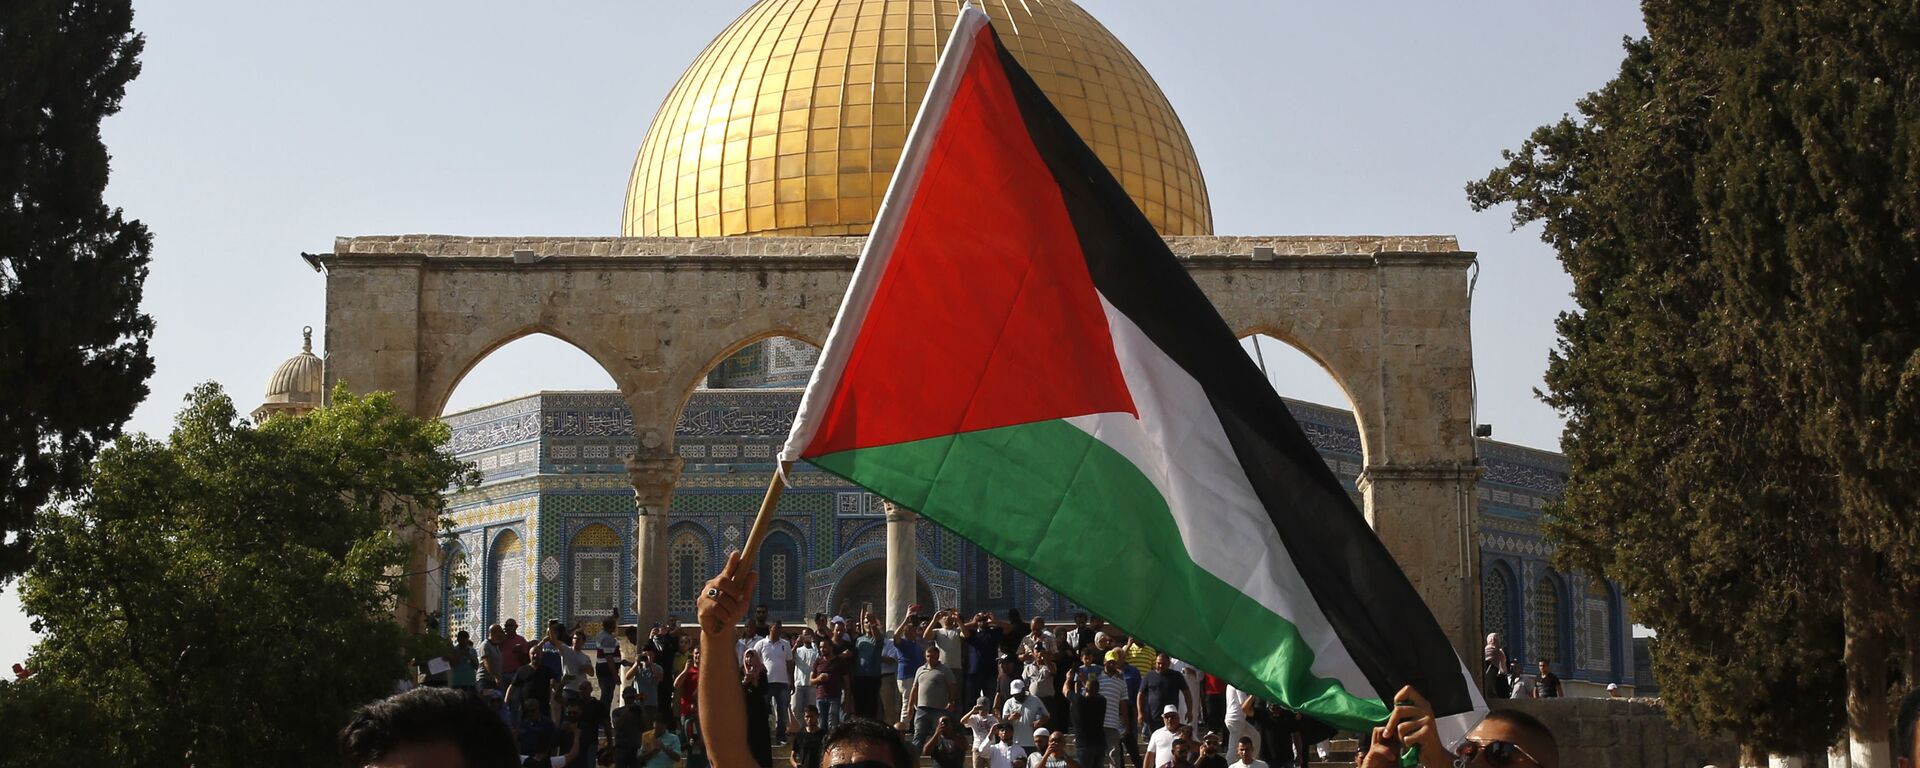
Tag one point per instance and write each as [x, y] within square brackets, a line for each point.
[985, 315]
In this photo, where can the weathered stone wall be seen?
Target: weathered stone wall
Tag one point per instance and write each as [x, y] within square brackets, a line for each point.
[1623, 733]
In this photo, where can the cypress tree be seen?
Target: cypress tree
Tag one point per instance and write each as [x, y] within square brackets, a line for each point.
[73, 342]
[1742, 379]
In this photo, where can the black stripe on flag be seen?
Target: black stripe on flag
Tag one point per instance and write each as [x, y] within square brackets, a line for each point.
[1372, 606]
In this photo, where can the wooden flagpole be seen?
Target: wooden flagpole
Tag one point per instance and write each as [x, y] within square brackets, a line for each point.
[762, 521]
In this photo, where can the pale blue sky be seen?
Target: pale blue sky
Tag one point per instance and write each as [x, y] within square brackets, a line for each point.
[260, 130]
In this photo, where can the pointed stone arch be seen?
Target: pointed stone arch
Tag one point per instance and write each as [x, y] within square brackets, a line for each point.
[441, 380]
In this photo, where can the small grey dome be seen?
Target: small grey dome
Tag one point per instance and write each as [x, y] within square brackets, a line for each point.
[300, 380]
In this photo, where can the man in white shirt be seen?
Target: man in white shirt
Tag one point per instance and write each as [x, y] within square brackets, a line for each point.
[1003, 753]
[1039, 639]
[1023, 711]
[1244, 750]
[1113, 688]
[946, 634]
[806, 654]
[776, 654]
[1239, 704]
[1159, 750]
[575, 665]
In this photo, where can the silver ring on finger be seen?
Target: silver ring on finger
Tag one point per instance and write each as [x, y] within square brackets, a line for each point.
[713, 593]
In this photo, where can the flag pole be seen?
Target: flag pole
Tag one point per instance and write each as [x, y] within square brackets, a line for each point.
[764, 520]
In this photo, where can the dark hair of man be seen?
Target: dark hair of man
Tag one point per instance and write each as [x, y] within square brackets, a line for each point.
[1247, 740]
[860, 730]
[1526, 723]
[1903, 727]
[426, 715]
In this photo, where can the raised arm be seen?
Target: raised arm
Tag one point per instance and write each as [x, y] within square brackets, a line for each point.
[722, 706]
[573, 753]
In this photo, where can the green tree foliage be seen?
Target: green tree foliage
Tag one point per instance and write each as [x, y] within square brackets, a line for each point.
[1813, 186]
[73, 343]
[225, 597]
[1682, 484]
[1740, 213]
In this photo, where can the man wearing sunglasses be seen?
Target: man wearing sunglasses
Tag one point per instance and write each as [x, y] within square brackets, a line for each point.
[1505, 739]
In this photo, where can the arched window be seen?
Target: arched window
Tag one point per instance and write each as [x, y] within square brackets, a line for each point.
[686, 571]
[779, 567]
[1544, 621]
[595, 574]
[1596, 652]
[507, 572]
[1495, 592]
[456, 609]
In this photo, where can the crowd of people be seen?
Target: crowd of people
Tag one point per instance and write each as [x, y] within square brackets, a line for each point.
[584, 695]
[996, 691]
[1506, 680]
[979, 691]
[1113, 691]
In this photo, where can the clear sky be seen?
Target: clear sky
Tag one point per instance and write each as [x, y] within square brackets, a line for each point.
[261, 130]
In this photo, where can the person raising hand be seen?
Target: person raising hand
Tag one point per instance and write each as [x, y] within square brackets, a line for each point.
[1505, 739]
[723, 708]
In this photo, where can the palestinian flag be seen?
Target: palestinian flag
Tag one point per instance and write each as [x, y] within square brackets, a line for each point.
[1022, 360]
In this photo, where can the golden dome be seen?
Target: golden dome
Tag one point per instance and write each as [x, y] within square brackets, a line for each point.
[792, 120]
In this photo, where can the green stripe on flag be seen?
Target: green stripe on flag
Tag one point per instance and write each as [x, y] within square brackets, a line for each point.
[1074, 514]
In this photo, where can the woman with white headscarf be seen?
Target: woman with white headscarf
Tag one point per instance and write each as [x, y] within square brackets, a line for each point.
[1493, 668]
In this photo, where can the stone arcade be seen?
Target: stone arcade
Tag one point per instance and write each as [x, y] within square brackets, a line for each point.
[1386, 316]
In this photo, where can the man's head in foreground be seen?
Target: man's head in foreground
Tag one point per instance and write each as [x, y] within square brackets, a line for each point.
[859, 740]
[1515, 735]
[427, 728]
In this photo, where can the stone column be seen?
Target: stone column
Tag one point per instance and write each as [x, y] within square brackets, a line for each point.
[653, 478]
[902, 559]
[1426, 517]
[372, 344]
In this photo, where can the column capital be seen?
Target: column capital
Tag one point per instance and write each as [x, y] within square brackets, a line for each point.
[653, 478]
[897, 513]
[1427, 472]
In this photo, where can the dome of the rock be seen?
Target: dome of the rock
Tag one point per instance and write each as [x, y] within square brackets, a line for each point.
[793, 118]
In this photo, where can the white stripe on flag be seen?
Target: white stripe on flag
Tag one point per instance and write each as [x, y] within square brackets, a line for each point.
[1179, 445]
